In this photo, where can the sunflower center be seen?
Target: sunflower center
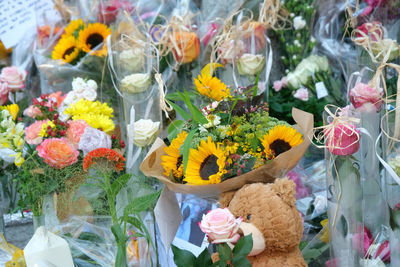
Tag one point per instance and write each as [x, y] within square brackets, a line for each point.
[279, 146]
[209, 167]
[68, 52]
[94, 40]
[179, 162]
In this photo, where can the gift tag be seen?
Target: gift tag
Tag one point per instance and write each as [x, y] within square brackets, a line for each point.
[321, 90]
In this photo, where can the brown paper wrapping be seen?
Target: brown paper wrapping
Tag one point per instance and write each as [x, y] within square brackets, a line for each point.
[278, 167]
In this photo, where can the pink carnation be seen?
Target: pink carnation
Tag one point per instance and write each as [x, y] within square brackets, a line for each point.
[75, 131]
[32, 133]
[342, 139]
[14, 77]
[32, 111]
[57, 152]
[3, 93]
[301, 94]
[365, 98]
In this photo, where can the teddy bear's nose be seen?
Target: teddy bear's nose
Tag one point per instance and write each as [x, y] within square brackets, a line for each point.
[258, 238]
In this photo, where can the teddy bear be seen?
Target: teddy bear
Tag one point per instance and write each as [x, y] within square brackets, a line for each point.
[269, 214]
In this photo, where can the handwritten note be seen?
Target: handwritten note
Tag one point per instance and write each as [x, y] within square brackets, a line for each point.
[18, 17]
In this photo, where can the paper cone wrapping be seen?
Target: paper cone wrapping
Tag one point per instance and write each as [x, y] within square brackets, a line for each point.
[278, 167]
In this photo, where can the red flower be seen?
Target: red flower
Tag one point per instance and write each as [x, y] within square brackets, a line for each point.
[104, 153]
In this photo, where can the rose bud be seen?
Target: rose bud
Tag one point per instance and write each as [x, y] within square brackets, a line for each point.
[188, 45]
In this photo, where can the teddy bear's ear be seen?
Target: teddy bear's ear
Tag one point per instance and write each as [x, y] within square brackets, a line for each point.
[226, 198]
[285, 189]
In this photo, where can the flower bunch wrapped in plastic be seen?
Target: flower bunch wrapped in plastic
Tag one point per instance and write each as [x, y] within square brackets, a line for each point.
[11, 135]
[230, 137]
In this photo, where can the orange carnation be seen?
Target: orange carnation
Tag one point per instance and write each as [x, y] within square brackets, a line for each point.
[186, 47]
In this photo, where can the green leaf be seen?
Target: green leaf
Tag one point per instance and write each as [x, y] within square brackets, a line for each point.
[141, 203]
[204, 259]
[276, 107]
[243, 246]
[183, 258]
[198, 116]
[178, 97]
[186, 148]
[224, 253]
[174, 129]
[180, 111]
[118, 233]
[241, 262]
[135, 222]
[119, 183]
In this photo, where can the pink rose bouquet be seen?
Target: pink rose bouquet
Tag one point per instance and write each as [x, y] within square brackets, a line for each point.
[221, 226]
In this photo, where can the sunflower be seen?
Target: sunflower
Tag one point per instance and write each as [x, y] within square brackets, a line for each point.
[73, 28]
[280, 139]
[211, 87]
[67, 50]
[172, 162]
[206, 164]
[93, 36]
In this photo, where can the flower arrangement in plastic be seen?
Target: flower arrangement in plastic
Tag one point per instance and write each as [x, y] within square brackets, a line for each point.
[231, 136]
[64, 128]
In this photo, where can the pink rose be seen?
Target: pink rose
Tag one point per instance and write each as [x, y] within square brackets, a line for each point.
[366, 99]
[57, 152]
[362, 240]
[32, 133]
[75, 131]
[278, 85]
[3, 93]
[32, 112]
[92, 139]
[372, 29]
[342, 139]
[221, 226]
[301, 94]
[14, 77]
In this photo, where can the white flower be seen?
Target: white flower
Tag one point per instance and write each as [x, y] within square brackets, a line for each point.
[312, 39]
[223, 131]
[213, 120]
[384, 47]
[294, 57]
[92, 139]
[202, 129]
[296, 43]
[249, 64]
[136, 83]
[299, 23]
[320, 204]
[132, 59]
[145, 132]
[209, 108]
[292, 15]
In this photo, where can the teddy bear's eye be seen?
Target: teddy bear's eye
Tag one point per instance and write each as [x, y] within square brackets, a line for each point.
[248, 216]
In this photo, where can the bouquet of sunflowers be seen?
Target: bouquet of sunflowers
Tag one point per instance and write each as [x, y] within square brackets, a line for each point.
[227, 142]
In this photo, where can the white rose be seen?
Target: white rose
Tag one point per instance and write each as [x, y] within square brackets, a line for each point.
[385, 46]
[132, 59]
[249, 64]
[136, 83]
[299, 23]
[145, 132]
[293, 80]
[320, 204]
[92, 139]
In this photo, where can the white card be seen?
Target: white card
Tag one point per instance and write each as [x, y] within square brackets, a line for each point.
[321, 90]
[18, 17]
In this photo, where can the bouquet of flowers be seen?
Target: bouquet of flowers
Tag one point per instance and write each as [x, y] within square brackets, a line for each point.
[232, 137]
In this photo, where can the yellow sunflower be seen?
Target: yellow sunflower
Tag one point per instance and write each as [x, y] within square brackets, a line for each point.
[67, 50]
[94, 36]
[172, 162]
[280, 139]
[73, 28]
[206, 164]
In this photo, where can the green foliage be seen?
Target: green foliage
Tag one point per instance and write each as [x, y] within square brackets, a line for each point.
[227, 257]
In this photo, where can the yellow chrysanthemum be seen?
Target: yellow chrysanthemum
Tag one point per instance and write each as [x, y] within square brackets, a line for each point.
[324, 235]
[172, 162]
[13, 109]
[206, 164]
[66, 49]
[210, 86]
[94, 37]
[73, 28]
[98, 115]
[280, 139]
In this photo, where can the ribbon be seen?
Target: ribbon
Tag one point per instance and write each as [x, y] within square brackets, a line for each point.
[164, 106]
[273, 16]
